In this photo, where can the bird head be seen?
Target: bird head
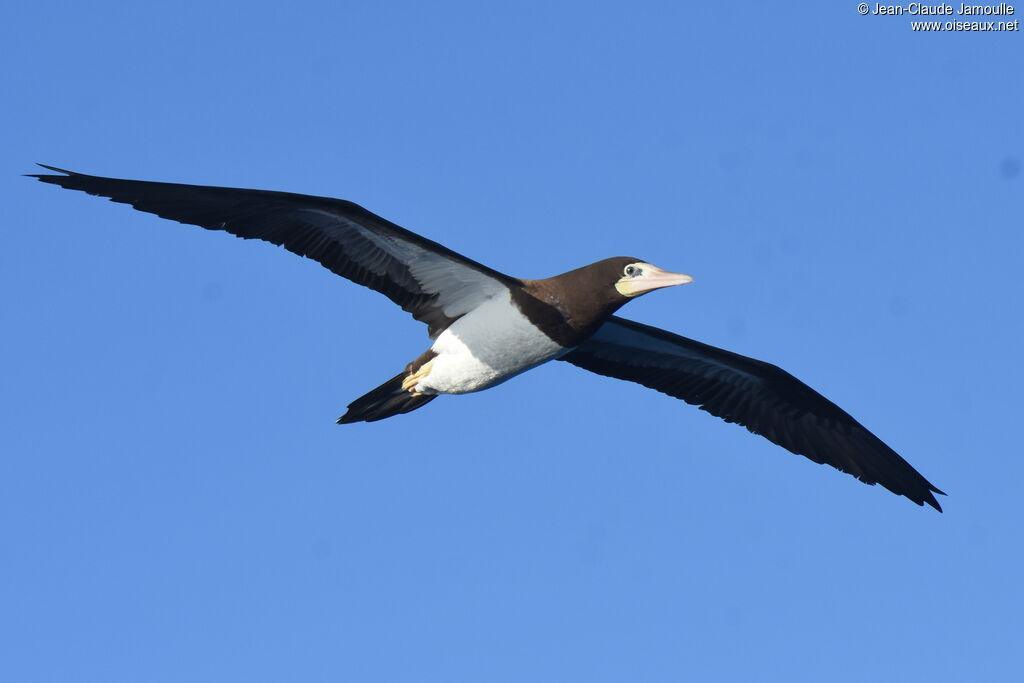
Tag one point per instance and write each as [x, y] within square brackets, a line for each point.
[633, 277]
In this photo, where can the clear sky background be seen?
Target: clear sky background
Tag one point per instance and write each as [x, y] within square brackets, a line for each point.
[177, 504]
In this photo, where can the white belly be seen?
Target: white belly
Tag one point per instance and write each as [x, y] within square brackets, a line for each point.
[485, 347]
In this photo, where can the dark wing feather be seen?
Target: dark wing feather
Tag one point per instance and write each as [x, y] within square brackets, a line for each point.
[433, 283]
[762, 397]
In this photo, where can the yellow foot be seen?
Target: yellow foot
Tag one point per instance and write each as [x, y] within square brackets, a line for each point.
[410, 382]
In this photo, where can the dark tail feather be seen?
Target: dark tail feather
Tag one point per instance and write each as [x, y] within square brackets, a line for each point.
[386, 400]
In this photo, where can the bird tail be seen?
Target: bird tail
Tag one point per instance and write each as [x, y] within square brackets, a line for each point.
[386, 400]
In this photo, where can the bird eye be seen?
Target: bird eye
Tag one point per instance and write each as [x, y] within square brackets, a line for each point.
[632, 271]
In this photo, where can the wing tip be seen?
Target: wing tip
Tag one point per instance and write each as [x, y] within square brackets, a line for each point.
[923, 496]
[48, 178]
[930, 498]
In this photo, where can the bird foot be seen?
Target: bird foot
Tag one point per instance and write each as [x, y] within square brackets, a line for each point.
[410, 382]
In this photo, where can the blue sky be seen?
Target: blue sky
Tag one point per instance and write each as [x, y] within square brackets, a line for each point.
[177, 504]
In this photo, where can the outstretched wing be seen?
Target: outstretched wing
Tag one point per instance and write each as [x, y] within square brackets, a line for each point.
[762, 397]
[433, 283]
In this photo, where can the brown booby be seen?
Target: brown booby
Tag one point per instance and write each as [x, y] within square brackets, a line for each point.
[488, 327]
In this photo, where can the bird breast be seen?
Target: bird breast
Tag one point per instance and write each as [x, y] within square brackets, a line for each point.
[489, 345]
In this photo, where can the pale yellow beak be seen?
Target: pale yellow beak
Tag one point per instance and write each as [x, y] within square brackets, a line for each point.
[651, 278]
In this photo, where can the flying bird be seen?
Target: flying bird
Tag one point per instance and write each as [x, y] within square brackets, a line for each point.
[488, 327]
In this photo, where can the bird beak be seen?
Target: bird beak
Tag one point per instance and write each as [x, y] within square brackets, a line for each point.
[652, 278]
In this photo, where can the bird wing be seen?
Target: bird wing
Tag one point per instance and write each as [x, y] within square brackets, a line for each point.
[430, 281]
[762, 397]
